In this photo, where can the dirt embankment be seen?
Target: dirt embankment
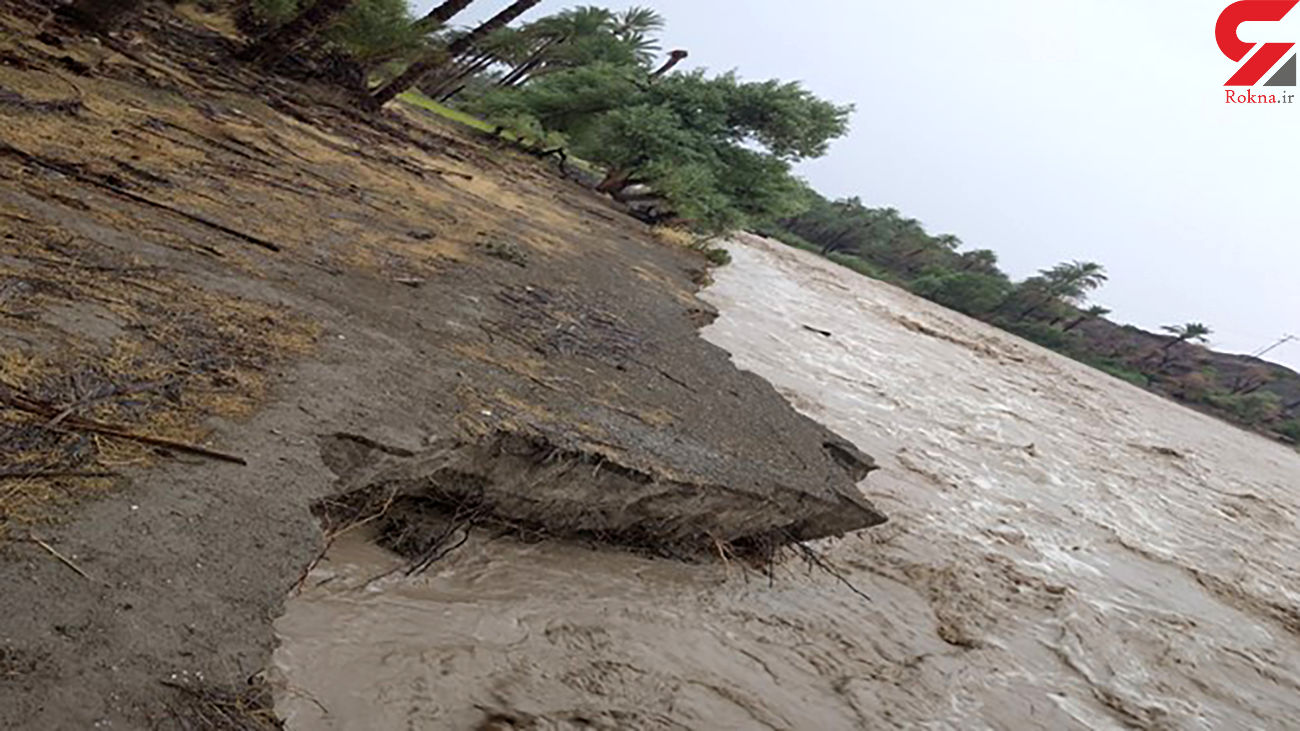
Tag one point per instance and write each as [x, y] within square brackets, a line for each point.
[193, 253]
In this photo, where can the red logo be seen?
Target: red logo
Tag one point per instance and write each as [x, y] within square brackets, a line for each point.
[1264, 59]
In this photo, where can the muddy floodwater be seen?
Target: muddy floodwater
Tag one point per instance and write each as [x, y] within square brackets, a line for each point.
[1064, 551]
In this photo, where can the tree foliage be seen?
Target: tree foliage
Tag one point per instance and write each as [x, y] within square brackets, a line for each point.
[973, 293]
[716, 152]
[369, 31]
[1195, 332]
[716, 149]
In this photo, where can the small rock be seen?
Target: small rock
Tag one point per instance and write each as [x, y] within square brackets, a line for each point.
[504, 250]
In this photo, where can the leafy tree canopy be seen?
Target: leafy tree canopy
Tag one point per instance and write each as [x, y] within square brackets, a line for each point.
[973, 293]
[717, 149]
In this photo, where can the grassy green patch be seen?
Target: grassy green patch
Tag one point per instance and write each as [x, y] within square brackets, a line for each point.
[415, 98]
[718, 257]
[863, 267]
[1118, 370]
[789, 238]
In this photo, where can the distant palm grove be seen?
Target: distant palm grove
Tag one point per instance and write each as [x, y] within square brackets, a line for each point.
[709, 154]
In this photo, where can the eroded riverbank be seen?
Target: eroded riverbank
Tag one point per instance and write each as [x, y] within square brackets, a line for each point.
[212, 281]
[1064, 551]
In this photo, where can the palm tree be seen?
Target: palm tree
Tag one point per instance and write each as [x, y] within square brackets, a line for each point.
[1091, 313]
[506, 45]
[101, 16]
[279, 43]
[634, 27]
[859, 221]
[1194, 332]
[585, 34]
[984, 261]
[1073, 280]
[1070, 281]
[945, 242]
[434, 59]
[948, 241]
[537, 43]
[638, 20]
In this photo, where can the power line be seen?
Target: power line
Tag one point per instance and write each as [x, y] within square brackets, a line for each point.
[1285, 339]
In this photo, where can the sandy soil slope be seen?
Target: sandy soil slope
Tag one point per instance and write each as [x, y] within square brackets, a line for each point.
[197, 253]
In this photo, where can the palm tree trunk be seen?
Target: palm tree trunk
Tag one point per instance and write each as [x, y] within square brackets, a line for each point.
[435, 59]
[464, 70]
[101, 16]
[440, 15]
[273, 47]
[1031, 310]
[834, 244]
[452, 94]
[673, 59]
[519, 73]
[1073, 324]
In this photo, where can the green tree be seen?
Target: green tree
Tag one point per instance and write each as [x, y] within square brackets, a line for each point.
[376, 31]
[1190, 332]
[1252, 409]
[1072, 281]
[279, 43]
[1290, 429]
[982, 261]
[503, 46]
[1068, 281]
[716, 149]
[842, 225]
[973, 293]
[583, 36]
[370, 32]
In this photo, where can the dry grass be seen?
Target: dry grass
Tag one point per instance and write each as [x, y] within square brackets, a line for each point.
[218, 709]
[88, 331]
[674, 236]
[149, 151]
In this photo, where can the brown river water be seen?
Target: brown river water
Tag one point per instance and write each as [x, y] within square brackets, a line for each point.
[1064, 551]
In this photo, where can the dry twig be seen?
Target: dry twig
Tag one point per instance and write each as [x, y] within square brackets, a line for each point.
[64, 559]
[72, 172]
[112, 430]
[811, 556]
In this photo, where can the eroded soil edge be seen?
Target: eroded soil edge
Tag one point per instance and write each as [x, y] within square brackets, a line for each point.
[195, 253]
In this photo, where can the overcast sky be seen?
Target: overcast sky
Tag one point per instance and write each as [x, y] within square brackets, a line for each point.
[1046, 130]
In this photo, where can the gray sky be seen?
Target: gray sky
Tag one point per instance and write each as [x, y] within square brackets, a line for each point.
[1046, 130]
